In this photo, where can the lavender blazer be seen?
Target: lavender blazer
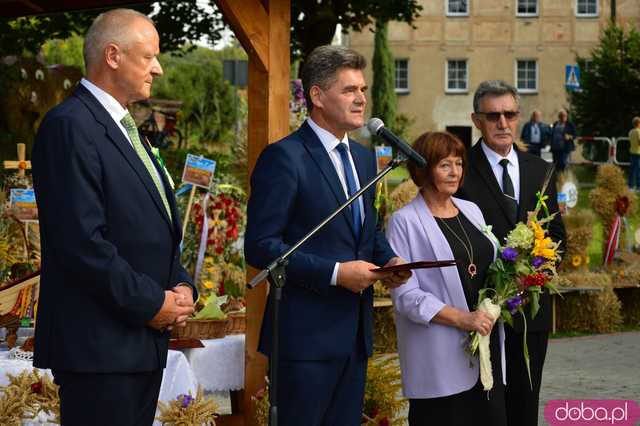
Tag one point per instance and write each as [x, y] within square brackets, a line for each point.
[432, 357]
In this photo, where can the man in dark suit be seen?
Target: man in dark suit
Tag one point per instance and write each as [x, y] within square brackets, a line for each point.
[326, 313]
[535, 133]
[111, 284]
[503, 181]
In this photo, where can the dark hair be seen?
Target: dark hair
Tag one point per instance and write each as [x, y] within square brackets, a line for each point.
[493, 88]
[321, 66]
[434, 146]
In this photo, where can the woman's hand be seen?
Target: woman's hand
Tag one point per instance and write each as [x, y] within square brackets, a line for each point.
[479, 321]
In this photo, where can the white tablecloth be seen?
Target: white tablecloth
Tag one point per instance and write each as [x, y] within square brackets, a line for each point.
[219, 366]
[178, 377]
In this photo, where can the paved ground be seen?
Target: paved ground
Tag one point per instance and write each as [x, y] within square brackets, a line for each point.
[605, 366]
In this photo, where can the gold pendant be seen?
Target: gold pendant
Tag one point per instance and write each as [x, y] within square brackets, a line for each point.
[472, 270]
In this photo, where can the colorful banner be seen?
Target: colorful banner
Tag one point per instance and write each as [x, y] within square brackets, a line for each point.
[23, 204]
[198, 171]
[384, 155]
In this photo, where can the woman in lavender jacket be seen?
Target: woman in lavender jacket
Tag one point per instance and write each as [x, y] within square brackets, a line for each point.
[434, 309]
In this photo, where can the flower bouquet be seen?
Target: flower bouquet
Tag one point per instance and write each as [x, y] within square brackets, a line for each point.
[525, 265]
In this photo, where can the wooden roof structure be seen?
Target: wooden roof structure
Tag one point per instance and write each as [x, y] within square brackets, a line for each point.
[263, 29]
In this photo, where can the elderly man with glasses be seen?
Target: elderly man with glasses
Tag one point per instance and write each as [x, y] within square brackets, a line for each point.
[503, 182]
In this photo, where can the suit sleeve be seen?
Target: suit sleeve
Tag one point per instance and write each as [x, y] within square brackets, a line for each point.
[274, 185]
[67, 174]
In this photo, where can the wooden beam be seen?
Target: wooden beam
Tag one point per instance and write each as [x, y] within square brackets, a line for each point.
[249, 21]
[268, 96]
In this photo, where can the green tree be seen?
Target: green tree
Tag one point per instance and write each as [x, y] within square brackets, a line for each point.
[211, 107]
[314, 22]
[610, 85]
[177, 22]
[67, 52]
[383, 91]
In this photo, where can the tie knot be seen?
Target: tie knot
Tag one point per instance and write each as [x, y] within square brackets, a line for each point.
[128, 122]
[504, 163]
[342, 148]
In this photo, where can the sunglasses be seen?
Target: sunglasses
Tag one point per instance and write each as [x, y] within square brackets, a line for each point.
[495, 116]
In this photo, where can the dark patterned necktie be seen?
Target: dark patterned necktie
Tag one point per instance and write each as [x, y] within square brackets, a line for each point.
[507, 189]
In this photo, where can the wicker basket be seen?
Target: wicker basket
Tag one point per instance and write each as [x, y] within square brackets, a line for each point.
[201, 329]
[237, 323]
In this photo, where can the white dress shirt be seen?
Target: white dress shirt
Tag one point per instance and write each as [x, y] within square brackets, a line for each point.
[116, 112]
[330, 143]
[513, 167]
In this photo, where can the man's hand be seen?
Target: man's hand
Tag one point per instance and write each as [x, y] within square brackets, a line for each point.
[396, 279]
[356, 275]
[174, 306]
[186, 300]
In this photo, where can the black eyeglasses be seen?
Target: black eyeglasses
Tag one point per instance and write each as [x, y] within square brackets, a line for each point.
[495, 116]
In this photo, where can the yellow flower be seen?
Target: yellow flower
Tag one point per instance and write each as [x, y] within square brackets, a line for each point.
[576, 260]
[208, 284]
[537, 229]
[544, 248]
[587, 260]
[208, 260]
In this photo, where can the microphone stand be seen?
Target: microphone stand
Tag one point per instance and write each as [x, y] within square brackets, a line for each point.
[277, 277]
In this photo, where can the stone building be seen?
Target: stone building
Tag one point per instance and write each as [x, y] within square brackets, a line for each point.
[456, 44]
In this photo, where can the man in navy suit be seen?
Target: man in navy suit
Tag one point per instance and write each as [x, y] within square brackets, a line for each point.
[112, 284]
[326, 312]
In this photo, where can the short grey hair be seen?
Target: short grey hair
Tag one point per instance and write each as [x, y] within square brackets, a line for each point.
[493, 88]
[635, 121]
[109, 27]
[322, 65]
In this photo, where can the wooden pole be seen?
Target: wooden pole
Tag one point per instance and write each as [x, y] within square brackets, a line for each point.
[263, 28]
[185, 220]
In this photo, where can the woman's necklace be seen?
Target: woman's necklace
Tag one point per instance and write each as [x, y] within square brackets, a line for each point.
[472, 270]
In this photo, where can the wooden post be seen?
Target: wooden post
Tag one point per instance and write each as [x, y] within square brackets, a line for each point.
[185, 219]
[263, 28]
[21, 164]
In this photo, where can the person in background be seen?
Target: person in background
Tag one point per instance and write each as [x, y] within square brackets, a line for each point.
[535, 133]
[435, 310]
[563, 134]
[634, 154]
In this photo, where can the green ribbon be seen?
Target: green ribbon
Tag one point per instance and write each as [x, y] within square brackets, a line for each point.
[542, 203]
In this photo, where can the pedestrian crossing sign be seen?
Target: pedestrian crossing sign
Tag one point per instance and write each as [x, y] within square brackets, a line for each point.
[572, 77]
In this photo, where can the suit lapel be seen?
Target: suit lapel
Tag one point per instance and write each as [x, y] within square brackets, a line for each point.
[481, 165]
[441, 250]
[321, 158]
[114, 134]
[361, 168]
[525, 187]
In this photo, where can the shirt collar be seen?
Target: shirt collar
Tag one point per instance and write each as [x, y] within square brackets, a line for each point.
[328, 139]
[494, 158]
[113, 107]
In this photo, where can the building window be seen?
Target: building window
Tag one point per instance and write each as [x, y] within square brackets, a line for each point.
[457, 7]
[402, 76]
[457, 76]
[586, 8]
[527, 7]
[527, 75]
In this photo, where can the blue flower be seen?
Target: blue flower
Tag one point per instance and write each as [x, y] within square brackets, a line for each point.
[185, 399]
[513, 303]
[509, 254]
[537, 261]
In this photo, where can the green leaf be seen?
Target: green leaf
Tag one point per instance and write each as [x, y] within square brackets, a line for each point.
[535, 303]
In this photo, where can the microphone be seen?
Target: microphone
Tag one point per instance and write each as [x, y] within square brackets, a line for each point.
[376, 127]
